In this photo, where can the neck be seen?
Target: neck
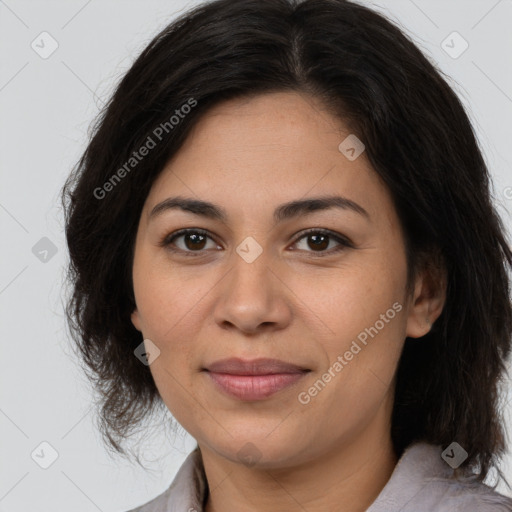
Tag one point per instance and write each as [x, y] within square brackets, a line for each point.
[348, 478]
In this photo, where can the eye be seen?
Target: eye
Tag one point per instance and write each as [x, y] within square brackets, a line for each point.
[193, 240]
[320, 239]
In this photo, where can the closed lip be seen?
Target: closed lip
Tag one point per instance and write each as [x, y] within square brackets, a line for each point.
[262, 366]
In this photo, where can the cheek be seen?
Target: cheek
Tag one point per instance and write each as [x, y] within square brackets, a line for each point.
[362, 312]
[166, 297]
[168, 307]
[172, 306]
[346, 301]
[362, 362]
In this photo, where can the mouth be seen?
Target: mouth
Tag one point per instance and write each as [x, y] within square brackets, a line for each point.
[255, 379]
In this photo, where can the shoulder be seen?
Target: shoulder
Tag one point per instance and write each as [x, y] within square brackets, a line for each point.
[451, 494]
[422, 480]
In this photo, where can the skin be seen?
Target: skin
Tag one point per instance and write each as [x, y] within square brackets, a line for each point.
[249, 156]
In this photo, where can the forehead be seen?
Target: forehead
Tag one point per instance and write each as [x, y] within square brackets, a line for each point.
[266, 150]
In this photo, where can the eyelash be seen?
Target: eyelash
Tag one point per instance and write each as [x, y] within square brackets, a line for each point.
[344, 242]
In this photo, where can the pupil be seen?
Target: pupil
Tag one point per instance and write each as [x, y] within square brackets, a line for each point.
[320, 244]
[196, 241]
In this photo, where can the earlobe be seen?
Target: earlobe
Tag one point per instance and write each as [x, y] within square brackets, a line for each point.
[136, 319]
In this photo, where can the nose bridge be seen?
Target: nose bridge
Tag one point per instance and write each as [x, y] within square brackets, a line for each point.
[251, 279]
[251, 294]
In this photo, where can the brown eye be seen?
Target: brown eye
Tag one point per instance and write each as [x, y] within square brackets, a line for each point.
[320, 240]
[188, 241]
[194, 241]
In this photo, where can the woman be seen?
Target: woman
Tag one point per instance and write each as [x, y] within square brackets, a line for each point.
[282, 231]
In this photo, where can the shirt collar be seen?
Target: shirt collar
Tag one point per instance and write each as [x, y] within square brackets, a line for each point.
[419, 464]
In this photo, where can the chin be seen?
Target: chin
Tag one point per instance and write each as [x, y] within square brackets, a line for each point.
[259, 450]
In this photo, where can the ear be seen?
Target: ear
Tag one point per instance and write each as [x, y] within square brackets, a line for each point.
[428, 299]
[136, 319]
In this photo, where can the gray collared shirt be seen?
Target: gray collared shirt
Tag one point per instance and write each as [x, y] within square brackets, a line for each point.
[421, 482]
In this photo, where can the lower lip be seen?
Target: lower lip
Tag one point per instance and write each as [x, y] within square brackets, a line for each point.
[254, 387]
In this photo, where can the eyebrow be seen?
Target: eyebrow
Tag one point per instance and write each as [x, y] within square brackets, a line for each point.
[282, 212]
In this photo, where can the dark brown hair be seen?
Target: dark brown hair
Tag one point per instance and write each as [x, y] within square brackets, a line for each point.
[418, 138]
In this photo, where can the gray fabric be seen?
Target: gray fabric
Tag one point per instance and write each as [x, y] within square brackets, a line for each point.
[421, 482]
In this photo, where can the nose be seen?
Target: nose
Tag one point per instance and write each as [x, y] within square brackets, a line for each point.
[253, 297]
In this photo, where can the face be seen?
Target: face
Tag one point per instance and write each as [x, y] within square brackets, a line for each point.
[320, 288]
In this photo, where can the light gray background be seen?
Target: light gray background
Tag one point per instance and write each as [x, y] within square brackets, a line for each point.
[46, 107]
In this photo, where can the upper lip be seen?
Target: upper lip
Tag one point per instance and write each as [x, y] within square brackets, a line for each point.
[262, 366]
